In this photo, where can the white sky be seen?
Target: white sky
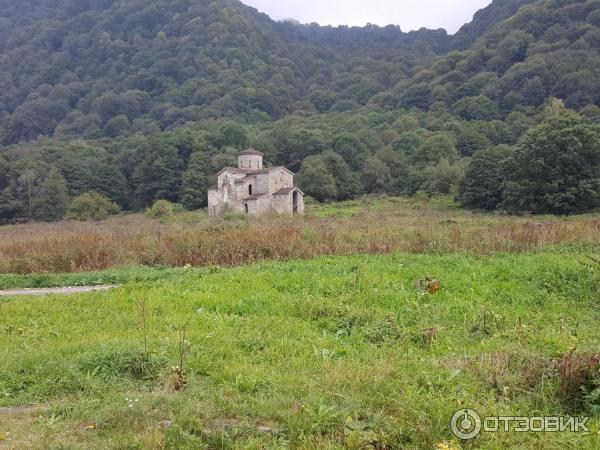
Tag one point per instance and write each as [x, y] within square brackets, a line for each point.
[409, 14]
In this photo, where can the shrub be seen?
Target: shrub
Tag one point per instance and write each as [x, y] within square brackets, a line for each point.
[92, 206]
[161, 209]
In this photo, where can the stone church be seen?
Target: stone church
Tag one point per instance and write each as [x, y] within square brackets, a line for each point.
[252, 189]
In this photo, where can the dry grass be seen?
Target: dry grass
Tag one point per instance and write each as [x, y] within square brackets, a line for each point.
[364, 226]
[579, 374]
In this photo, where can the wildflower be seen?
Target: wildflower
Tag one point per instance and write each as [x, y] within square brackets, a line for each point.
[447, 446]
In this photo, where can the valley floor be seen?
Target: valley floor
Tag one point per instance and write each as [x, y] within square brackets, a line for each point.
[357, 352]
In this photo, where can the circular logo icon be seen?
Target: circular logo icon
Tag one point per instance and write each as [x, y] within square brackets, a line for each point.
[465, 424]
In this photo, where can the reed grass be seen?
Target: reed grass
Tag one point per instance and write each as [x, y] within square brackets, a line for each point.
[368, 226]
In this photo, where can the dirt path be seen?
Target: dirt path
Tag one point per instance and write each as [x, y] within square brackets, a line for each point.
[59, 290]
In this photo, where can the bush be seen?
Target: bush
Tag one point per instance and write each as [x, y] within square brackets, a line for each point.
[555, 168]
[92, 206]
[161, 209]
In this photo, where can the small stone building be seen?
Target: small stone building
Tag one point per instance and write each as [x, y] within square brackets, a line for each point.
[251, 189]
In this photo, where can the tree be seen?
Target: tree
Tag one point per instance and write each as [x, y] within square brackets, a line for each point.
[316, 180]
[51, 201]
[435, 148]
[556, 167]
[376, 175]
[231, 134]
[442, 178]
[196, 181]
[117, 126]
[351, 148]
[347, 183]
[476, 108]
[322, 99]
[159, 176]
[482, 185]
[91, 206]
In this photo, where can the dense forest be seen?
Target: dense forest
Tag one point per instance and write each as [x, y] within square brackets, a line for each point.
[147, 99]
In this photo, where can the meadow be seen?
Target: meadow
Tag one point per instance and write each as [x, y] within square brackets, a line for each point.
[366, 226]
[344, 345]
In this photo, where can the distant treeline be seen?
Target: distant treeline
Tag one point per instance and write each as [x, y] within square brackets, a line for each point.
[147, 99]
[549, 162]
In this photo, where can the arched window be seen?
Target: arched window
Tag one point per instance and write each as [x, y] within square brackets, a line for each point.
[249, 189]
[246, 207]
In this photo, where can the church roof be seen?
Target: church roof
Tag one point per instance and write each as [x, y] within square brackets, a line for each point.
[245, 179]
[286, 191]
[250, 172]
[251, 151]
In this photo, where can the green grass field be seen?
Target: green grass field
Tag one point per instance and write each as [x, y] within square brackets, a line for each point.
[336, 352]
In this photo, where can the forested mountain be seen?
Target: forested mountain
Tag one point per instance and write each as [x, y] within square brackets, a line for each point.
[484, 20]
[548, 48]
[142, 100]
[110, 68]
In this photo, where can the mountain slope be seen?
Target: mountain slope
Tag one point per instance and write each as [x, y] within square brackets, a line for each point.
[484, 20]
[548, 48]
[108, 68]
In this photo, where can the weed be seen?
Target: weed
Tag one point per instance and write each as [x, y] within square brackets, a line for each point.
[579, 379]
[428, 284]
[179, 381]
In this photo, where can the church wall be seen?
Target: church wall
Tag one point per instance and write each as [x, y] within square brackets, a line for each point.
[282, 204]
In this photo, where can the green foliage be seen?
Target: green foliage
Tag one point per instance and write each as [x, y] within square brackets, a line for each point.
[555, 168]
[158, 176]
[102, 69]
[376, 175]
[328, 177]
[482, 185]
[161, 209]
[435, 148]
[316, 180]
[92, 206]
[51, 200]
[196, 181]
[443, 178]
[476, 108]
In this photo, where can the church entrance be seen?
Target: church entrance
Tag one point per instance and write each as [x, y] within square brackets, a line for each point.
[295, 201]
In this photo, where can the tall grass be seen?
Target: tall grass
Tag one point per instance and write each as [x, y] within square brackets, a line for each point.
[372, 226]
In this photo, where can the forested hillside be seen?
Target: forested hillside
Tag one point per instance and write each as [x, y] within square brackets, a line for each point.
[111, 68]
[146, 99]
[548, 48]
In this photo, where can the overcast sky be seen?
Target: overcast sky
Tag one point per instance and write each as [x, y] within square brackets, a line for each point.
[409, 14]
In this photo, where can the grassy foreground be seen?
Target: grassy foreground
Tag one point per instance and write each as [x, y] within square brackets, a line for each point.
[352, 352]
